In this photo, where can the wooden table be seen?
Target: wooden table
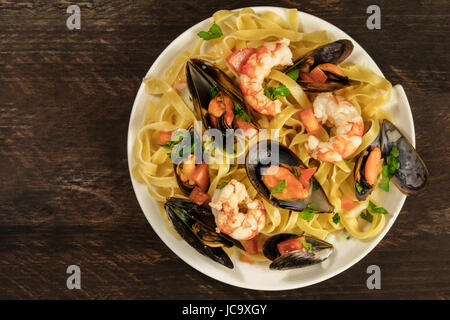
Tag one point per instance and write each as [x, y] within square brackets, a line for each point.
[65, 192]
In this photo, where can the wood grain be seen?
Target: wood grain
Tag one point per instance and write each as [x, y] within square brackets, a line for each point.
[65, 191]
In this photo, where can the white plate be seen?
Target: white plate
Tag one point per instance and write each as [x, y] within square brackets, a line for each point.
[258, 276]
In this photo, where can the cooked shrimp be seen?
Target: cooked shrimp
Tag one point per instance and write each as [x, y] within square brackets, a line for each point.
[349, 128]
[257, 67]
[236, 214]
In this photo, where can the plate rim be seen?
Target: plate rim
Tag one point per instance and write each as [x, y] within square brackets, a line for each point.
[177, 251]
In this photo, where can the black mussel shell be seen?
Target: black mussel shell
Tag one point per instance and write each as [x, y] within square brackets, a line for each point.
[201, 219]
[367, 189]
[412, 175]
[321, 250]
[203, 78]
[260, 156]
[334, 53]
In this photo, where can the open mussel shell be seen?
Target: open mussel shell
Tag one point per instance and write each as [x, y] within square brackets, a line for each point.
[269, 152]
[203, 78]
[367, 188]
[412, 175]
[195, 224]
[185, 187]
[321, 250]
[334, 53]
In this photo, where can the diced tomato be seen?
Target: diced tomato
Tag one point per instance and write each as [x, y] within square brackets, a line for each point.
[317, 75]
[251, 246]
[347, 204]
[290, 245]
[200, 176]
[165, 136]
[305, 77]
[306, 175]
[244, 258]
[199, 197]
[310, 122]
[331, 68]
[239, 58]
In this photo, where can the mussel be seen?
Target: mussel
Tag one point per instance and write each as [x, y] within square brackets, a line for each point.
[195, 224]
[412, 174]
[367, 170]
[185, 164]
[317, 70]
[298, 251]
[217, 100]
[268, 153]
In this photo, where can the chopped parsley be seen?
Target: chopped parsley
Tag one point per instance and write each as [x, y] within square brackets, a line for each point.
[348, 164]
[306, 245]
[214, 93]
[178, 137]
[222, 185]
[366, 216]
[374, 209]
[239, 112]
[336, 218]
[279, 189]
[294, 74]
[213, 33]
[273, 93]
[298, 173]
[358, 187]
[315, 185]
[310, 211]
[388, 170]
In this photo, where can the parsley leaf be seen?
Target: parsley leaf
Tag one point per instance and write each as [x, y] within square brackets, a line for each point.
[294, 74]
[279, 189]
[358, 187]
[306, 245]
[222, 185]
[214, 93]
[388, 170]
[374, 209]
[315, 185]
[348, 164]
[298, 173]
[336, 218]
[178, 137]
[366, 216]
[239, 112]
[213, 33]
[309, 213]
[273, 93]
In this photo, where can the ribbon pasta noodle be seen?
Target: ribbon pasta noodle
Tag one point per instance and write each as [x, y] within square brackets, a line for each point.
[168, 111]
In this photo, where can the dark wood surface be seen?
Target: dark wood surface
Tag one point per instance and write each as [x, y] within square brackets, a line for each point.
[65, 192]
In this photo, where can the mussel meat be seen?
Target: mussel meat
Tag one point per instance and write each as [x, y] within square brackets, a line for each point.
[412, 174]
[217, 100]
[189, 171]
[367, 170]
[318, 71]
[268, 154]
[292, 251]
[195, 224]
